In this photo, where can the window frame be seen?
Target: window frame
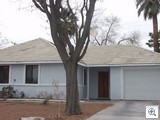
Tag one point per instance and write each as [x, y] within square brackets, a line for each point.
[8, 81]
[25, 74]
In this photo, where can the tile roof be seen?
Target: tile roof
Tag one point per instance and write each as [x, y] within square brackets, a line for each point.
[42, 50]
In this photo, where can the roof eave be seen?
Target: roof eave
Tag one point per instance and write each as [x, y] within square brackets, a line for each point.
[28, 62]
[80, 63]
[35, 62]
[123, 65]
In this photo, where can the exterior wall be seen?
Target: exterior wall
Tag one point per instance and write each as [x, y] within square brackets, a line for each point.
[55, 72]
[93, 84]
[116, 83]
[41, 91]
[50, 73]
[80, 75]
[16, 74]
[81, 82]
[93, 81]
[46, 75]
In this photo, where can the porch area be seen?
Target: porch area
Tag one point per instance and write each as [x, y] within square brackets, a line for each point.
[103, 83]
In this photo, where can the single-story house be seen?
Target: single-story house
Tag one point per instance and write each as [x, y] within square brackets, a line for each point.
[116, 72]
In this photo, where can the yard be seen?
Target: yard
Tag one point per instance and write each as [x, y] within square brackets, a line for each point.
[14, 110]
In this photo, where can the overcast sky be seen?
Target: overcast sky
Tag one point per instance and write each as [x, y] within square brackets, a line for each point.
[22, 25]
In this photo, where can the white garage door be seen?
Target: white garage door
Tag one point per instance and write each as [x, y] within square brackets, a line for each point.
[142, 83]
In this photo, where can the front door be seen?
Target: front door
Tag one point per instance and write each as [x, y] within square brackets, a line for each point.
[103, 85]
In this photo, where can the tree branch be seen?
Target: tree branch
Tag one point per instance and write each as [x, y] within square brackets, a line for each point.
[85, 49]
[122, 40]
[97, 41]
[71, 11]
[86, 6]
[82, 16]
[71, 47]
[85, 34]
[133, 38]
[38, 6]
[109, 29]
[55, 32]
[112, 21]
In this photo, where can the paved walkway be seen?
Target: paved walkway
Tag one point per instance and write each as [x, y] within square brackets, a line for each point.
[125, 110]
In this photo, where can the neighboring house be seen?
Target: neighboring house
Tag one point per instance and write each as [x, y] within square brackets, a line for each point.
[109, 72]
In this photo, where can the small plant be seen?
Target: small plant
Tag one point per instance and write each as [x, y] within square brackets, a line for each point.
[8, 92]
[46, 101]
[57, 117]
[59, 96]
[44, 95]
[22, 94]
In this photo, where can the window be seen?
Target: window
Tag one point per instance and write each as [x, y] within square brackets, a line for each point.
[4, 74]
[85, 76]
[32, 74]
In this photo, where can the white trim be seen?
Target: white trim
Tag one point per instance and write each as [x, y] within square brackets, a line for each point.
[9, 77]
[40, 85]
[37, 62]
[79, 63]
[39, 74]
[140, 67]
[4, 84]
[122, 84]
[29, 62]
[82, 64]
[83, 76]
[24, 74]
[123, 65]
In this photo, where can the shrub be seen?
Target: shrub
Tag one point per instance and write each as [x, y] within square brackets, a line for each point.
[22, 94]
[8, 92]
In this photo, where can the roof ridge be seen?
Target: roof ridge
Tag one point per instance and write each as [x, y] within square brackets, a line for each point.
[37, 39]
[123, 46]
[46, 41]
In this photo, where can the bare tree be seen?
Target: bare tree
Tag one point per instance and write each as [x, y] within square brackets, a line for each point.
[66, 24]
[3, 41]
[132, 38]
[108, 32]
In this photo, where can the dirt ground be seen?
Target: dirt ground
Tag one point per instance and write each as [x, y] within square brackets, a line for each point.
[14, 110]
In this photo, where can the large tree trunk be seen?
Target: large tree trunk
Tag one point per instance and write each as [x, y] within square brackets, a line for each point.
[155, 34]
[55, 10]
[72, 94]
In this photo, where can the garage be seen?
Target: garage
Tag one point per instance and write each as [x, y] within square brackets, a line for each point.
[142, 83]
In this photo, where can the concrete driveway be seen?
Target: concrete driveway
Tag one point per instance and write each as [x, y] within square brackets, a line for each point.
[125, 110]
